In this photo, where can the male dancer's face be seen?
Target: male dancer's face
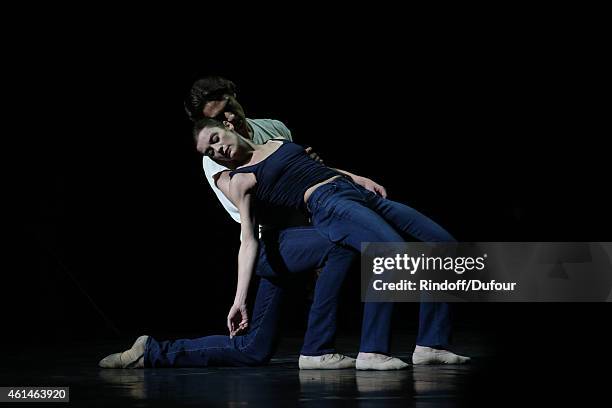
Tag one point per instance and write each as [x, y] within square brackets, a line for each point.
[227, 108]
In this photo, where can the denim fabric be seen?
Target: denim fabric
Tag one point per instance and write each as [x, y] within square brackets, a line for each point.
[344, 214]
[348, 214]
[290, 251]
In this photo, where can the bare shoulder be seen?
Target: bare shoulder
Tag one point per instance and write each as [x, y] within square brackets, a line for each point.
[241, 183]
[236, 187]
[222, 179]
[272, 145]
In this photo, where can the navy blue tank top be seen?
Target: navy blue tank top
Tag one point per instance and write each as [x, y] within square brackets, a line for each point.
[284, 176]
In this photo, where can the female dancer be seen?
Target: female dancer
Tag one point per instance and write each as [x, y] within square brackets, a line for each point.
[280, 174]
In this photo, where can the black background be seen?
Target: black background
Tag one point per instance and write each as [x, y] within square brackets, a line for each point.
[495, 132]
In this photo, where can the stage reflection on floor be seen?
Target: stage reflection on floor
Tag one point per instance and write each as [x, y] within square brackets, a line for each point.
[283, 384]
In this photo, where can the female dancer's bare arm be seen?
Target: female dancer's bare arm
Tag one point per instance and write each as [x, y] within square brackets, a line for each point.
[237, 189]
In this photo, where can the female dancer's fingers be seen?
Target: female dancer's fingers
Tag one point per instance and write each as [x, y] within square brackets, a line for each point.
[241, 327]
[230, 326]
[244, 315]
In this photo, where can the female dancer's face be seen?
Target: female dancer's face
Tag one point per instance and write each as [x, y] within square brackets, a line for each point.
[220, 144]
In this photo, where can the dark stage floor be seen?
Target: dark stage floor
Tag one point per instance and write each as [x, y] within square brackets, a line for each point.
[280, 383]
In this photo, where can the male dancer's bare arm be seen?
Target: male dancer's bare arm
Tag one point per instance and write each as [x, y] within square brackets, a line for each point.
[366, 183]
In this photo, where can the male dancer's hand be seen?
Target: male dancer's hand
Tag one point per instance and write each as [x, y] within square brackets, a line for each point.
[313, 155]
[369, 184]
[237, 319]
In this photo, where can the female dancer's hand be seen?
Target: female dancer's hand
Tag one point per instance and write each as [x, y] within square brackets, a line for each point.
[237, 319]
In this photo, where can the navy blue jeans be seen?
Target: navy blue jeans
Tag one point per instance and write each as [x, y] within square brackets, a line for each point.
[290, 251]
[348, 215]
[297, 250]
